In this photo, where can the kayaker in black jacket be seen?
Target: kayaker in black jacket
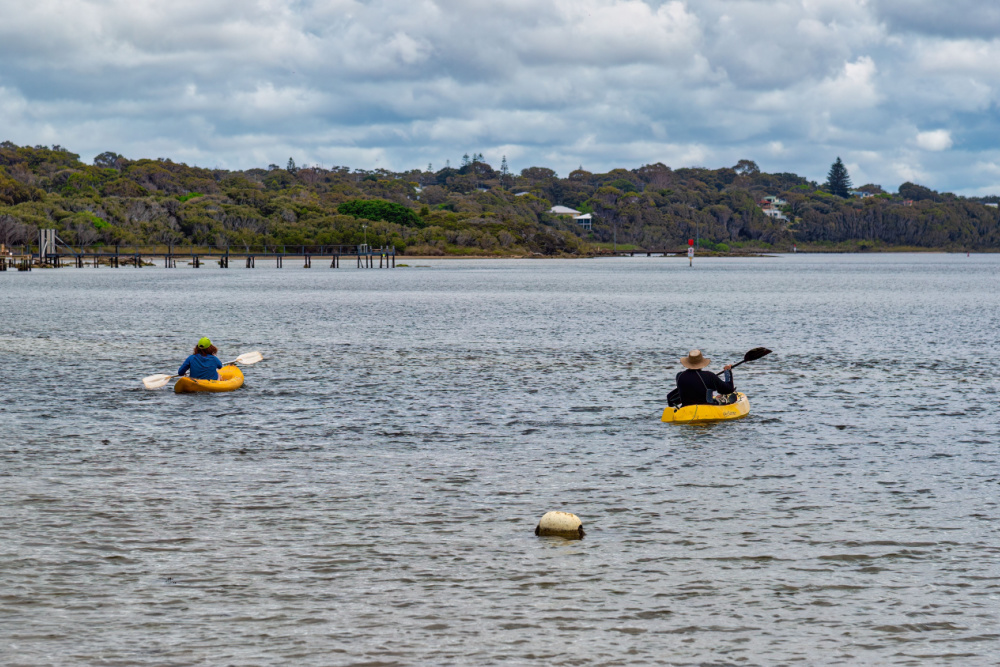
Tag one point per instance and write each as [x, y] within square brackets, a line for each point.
[696, 385]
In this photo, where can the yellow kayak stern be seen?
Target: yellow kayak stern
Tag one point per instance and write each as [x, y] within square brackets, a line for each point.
[701, 414]
[230, 378]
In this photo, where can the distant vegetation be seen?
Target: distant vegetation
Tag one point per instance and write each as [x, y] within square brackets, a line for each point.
[472, 209]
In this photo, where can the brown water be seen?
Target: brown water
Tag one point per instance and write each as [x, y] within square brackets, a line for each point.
[369, 497]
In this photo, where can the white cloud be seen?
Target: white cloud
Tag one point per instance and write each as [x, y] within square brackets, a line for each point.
[853, 88]
[934, 140]
[908, 169]
[557, 82]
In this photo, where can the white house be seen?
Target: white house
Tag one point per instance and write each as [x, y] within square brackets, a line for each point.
[992, 204]
[774, 213]
[775, 201]
[585, 220]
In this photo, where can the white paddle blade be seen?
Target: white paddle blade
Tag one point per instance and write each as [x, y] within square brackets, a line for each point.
[156, 381]
[249, 358]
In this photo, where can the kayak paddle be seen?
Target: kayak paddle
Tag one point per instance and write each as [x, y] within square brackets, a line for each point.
[753, 355]
[159, 380]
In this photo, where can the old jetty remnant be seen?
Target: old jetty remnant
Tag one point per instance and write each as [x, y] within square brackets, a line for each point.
[53, 252]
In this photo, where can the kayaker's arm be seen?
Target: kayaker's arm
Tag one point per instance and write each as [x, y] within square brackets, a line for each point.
[725, 384]
[184, 367]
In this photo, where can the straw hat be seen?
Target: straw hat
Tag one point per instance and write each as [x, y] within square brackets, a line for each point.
[694, 360]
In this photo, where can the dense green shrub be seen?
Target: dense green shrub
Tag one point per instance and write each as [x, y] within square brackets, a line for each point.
[380, 209]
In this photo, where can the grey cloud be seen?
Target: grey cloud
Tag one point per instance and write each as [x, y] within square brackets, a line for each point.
[952, 18]
[601, 82]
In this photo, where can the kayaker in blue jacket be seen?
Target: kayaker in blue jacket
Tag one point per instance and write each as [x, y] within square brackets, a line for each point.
[696, 385]
[203, 364]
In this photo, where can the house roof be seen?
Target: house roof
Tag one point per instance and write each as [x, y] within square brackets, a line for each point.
[563, 210]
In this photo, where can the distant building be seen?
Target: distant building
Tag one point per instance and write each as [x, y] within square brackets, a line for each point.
[992, 204]
[860, 193]
[585, 220]
[521, 194]
[770, 207]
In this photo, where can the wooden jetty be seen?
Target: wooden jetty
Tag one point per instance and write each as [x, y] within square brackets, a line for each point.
[18, 262]
[651, 253]
[56, 255]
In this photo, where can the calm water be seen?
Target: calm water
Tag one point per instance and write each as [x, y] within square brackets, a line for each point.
[369, 497]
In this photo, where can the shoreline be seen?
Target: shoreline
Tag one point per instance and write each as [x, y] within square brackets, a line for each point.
[154, 260]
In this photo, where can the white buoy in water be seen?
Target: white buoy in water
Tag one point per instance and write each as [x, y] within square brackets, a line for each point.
[560, 524]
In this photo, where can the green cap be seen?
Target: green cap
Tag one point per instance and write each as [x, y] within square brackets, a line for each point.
[204, 343]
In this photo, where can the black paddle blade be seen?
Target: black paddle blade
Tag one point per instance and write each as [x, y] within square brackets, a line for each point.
[756, 353]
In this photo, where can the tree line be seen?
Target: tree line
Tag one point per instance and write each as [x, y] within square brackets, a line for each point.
[470, 209]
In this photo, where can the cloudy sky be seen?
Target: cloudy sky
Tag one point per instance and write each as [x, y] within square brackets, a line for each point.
[900, 89]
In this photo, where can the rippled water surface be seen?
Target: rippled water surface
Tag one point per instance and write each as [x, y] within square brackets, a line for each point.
[370, 496]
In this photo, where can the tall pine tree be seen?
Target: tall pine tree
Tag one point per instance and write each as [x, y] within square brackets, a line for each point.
[838, 182]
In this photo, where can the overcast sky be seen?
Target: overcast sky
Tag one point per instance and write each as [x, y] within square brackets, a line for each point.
[900, 89]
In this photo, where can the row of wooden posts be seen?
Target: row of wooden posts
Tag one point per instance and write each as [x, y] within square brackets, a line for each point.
[21, 263]
[365, 258]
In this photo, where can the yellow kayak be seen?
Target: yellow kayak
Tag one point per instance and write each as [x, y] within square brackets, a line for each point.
[230, 378]
[701, 414]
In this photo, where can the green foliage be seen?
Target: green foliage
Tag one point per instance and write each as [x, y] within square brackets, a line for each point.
[651, 207]
[624, 185]
[123, 187]
[13, 192]
[747, 168]
[714, 247]
[837, 181]
[379, 209]
[918, 192]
